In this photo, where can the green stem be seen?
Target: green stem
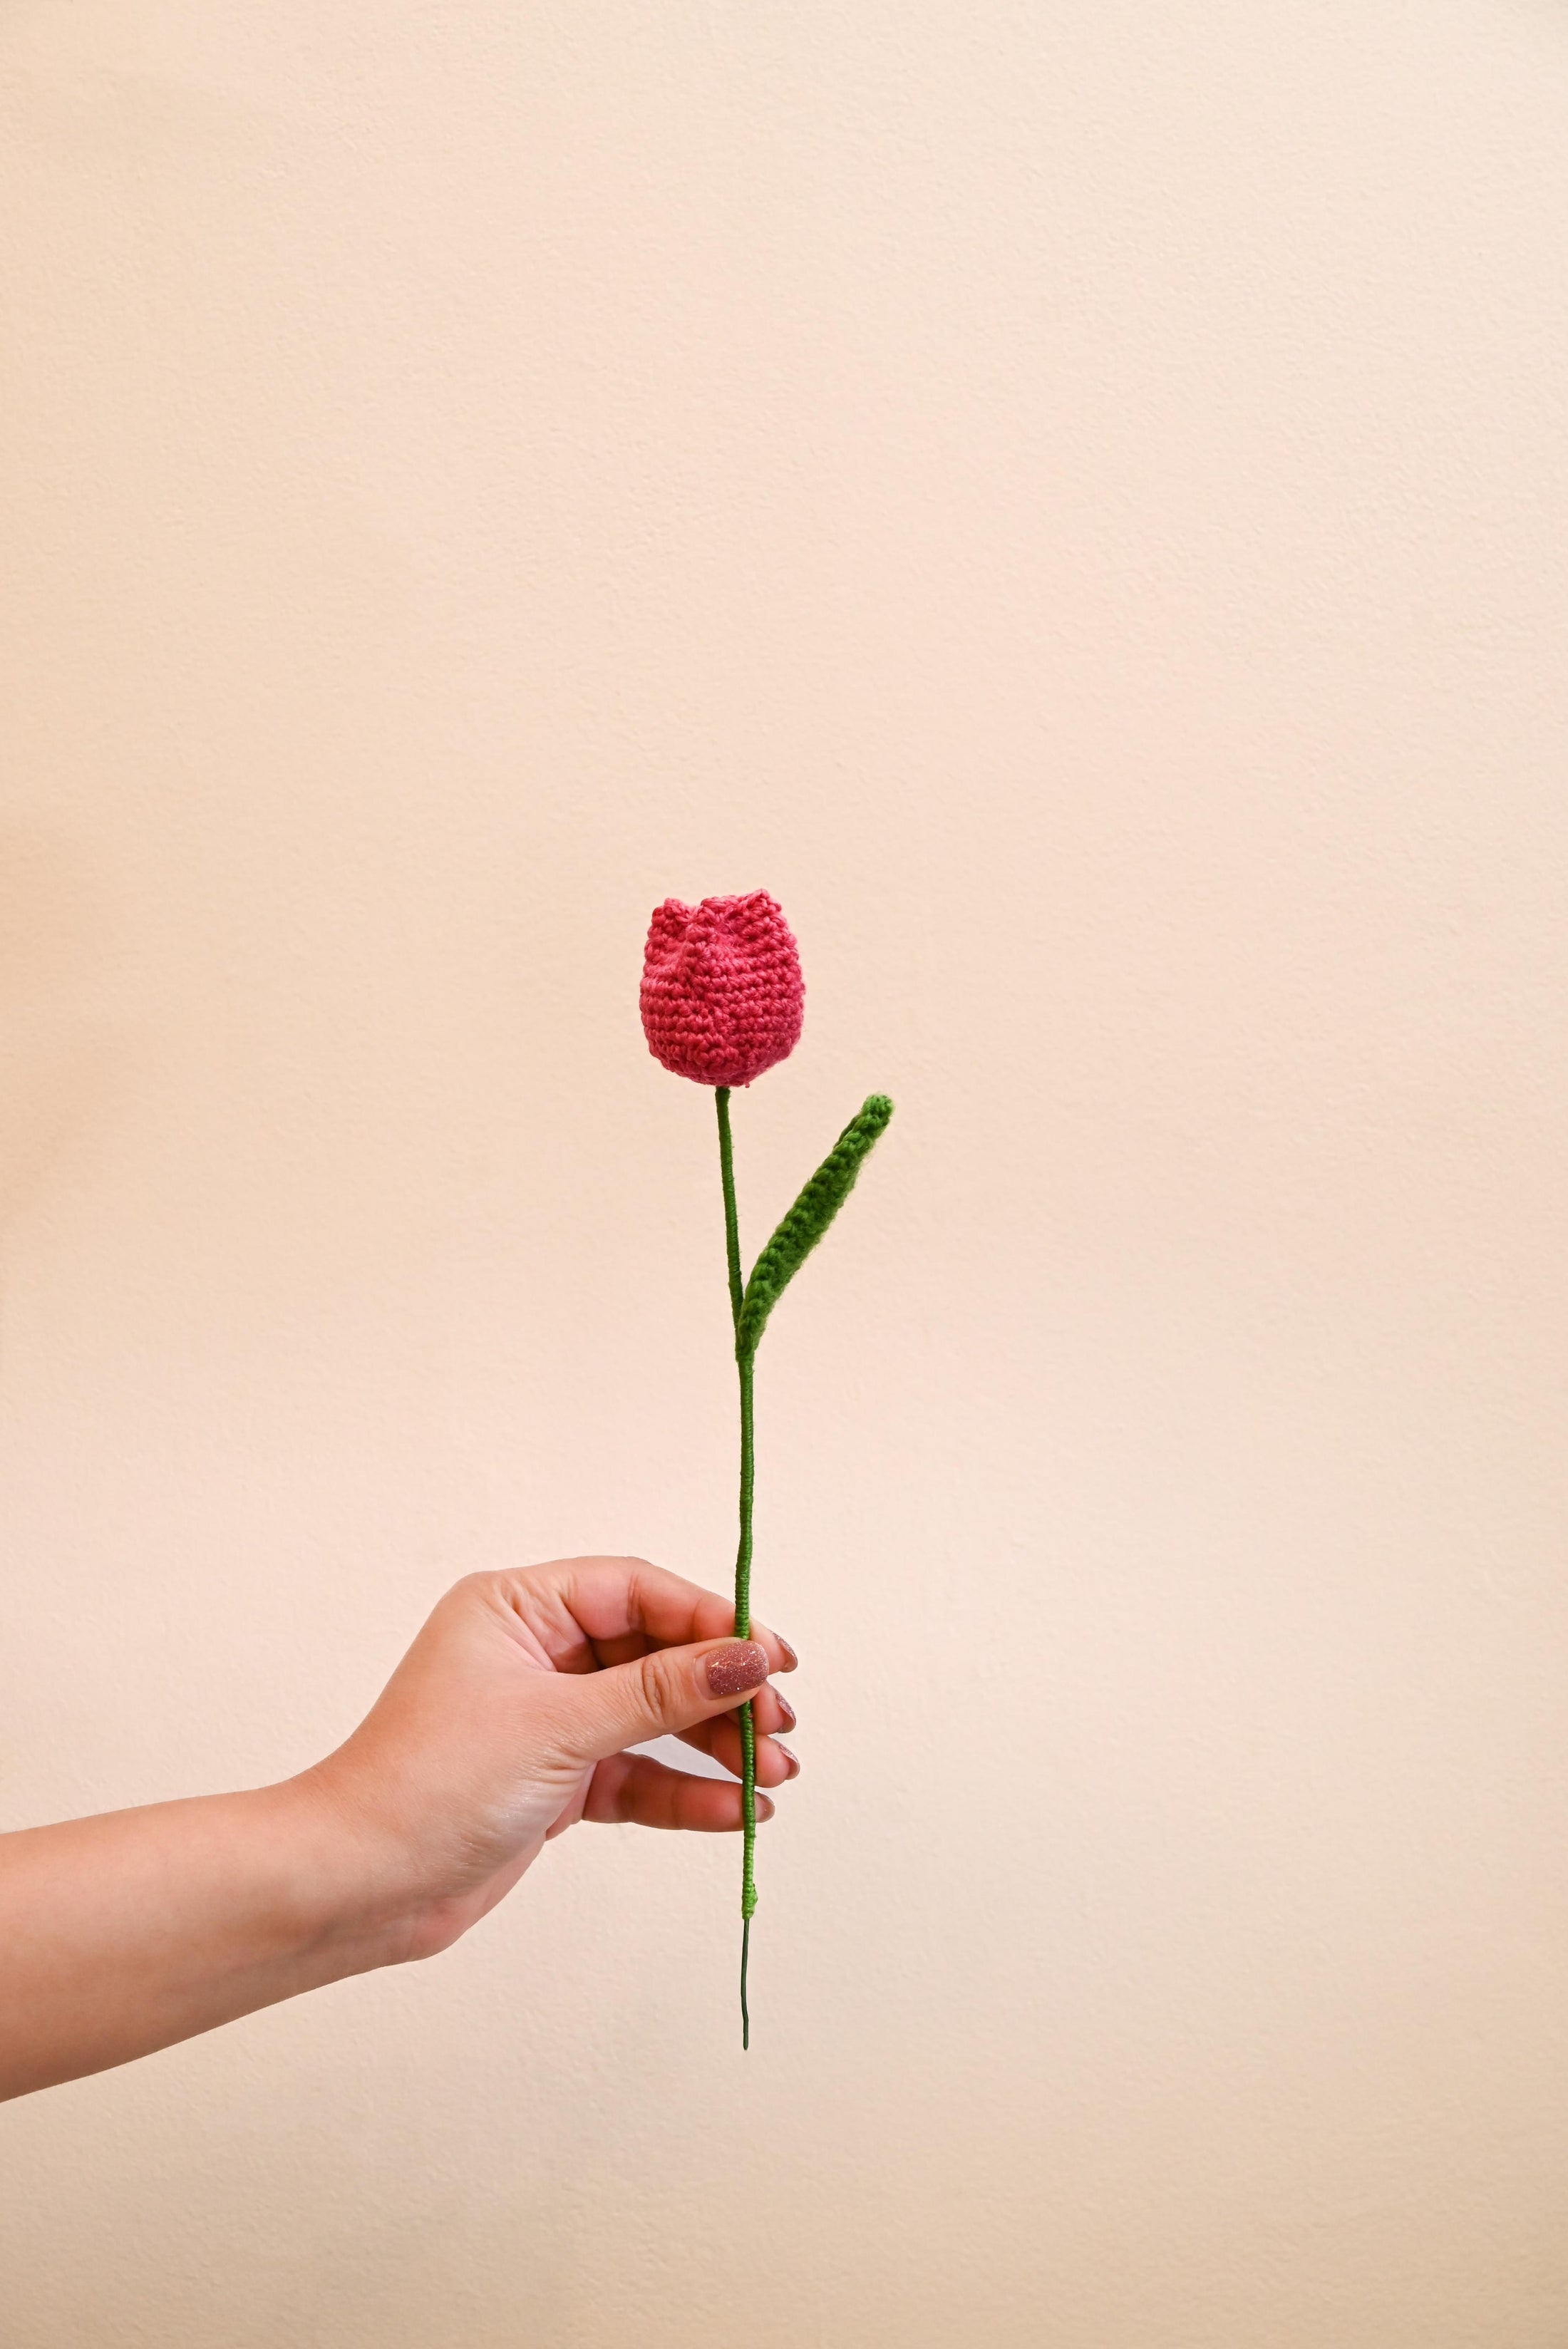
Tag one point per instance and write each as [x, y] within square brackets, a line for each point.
[732, 1223]
[746, 1363]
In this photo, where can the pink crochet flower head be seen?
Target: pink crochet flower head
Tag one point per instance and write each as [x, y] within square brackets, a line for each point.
[722, 997]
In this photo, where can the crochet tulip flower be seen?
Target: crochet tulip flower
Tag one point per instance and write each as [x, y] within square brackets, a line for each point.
[722, 997]
[722, 1000]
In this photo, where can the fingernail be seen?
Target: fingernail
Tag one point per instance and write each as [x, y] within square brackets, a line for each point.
[793, 1759]
[791, 1719]
[764, 1807]
[737, 1667]
[790, 1659]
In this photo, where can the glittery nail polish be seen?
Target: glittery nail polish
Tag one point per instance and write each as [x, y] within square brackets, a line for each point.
[736, 1670]
[790, 1659]
[787, 1711]
[793, 1759]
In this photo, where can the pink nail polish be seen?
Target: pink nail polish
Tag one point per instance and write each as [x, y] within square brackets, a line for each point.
[734, 1670]
[793, 1759]
[790, 1659]
[787, 1710]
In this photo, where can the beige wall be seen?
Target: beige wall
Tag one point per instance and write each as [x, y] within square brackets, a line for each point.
[1072, 497]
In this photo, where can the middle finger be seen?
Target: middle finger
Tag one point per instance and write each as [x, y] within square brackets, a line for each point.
[721, 1739]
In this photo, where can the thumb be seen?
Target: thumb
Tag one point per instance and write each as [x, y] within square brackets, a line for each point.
[669, 1689]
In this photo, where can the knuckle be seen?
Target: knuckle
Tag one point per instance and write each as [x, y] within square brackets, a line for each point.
[662, 1685]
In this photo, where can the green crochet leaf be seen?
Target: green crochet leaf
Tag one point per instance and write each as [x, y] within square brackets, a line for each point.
[807, 1220]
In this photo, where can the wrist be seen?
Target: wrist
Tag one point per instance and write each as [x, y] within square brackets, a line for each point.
[355, 1904]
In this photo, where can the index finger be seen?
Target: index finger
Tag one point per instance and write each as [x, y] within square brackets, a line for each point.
[591, 1611]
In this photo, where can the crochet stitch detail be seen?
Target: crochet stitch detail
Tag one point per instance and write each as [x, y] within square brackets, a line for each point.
[722, 997]
[807, 1220]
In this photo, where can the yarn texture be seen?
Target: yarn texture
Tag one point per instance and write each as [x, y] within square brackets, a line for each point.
[722, 996]
[807, 1220]
[722, 1000]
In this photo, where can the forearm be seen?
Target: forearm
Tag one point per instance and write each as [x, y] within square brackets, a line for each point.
[507, 1720]
[123, 1933]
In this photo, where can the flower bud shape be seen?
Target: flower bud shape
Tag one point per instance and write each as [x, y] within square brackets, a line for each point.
[722, 997]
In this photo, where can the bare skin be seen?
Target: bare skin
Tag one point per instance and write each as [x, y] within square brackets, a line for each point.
[508, 1722]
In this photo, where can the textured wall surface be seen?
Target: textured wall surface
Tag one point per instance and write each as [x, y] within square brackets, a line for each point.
[1072, 496]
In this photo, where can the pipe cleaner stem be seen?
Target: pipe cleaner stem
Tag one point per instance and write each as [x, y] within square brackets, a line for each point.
[731, 1222]
[745, 1359]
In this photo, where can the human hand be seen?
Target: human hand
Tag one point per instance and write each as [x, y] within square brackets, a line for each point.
[509, 1720]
